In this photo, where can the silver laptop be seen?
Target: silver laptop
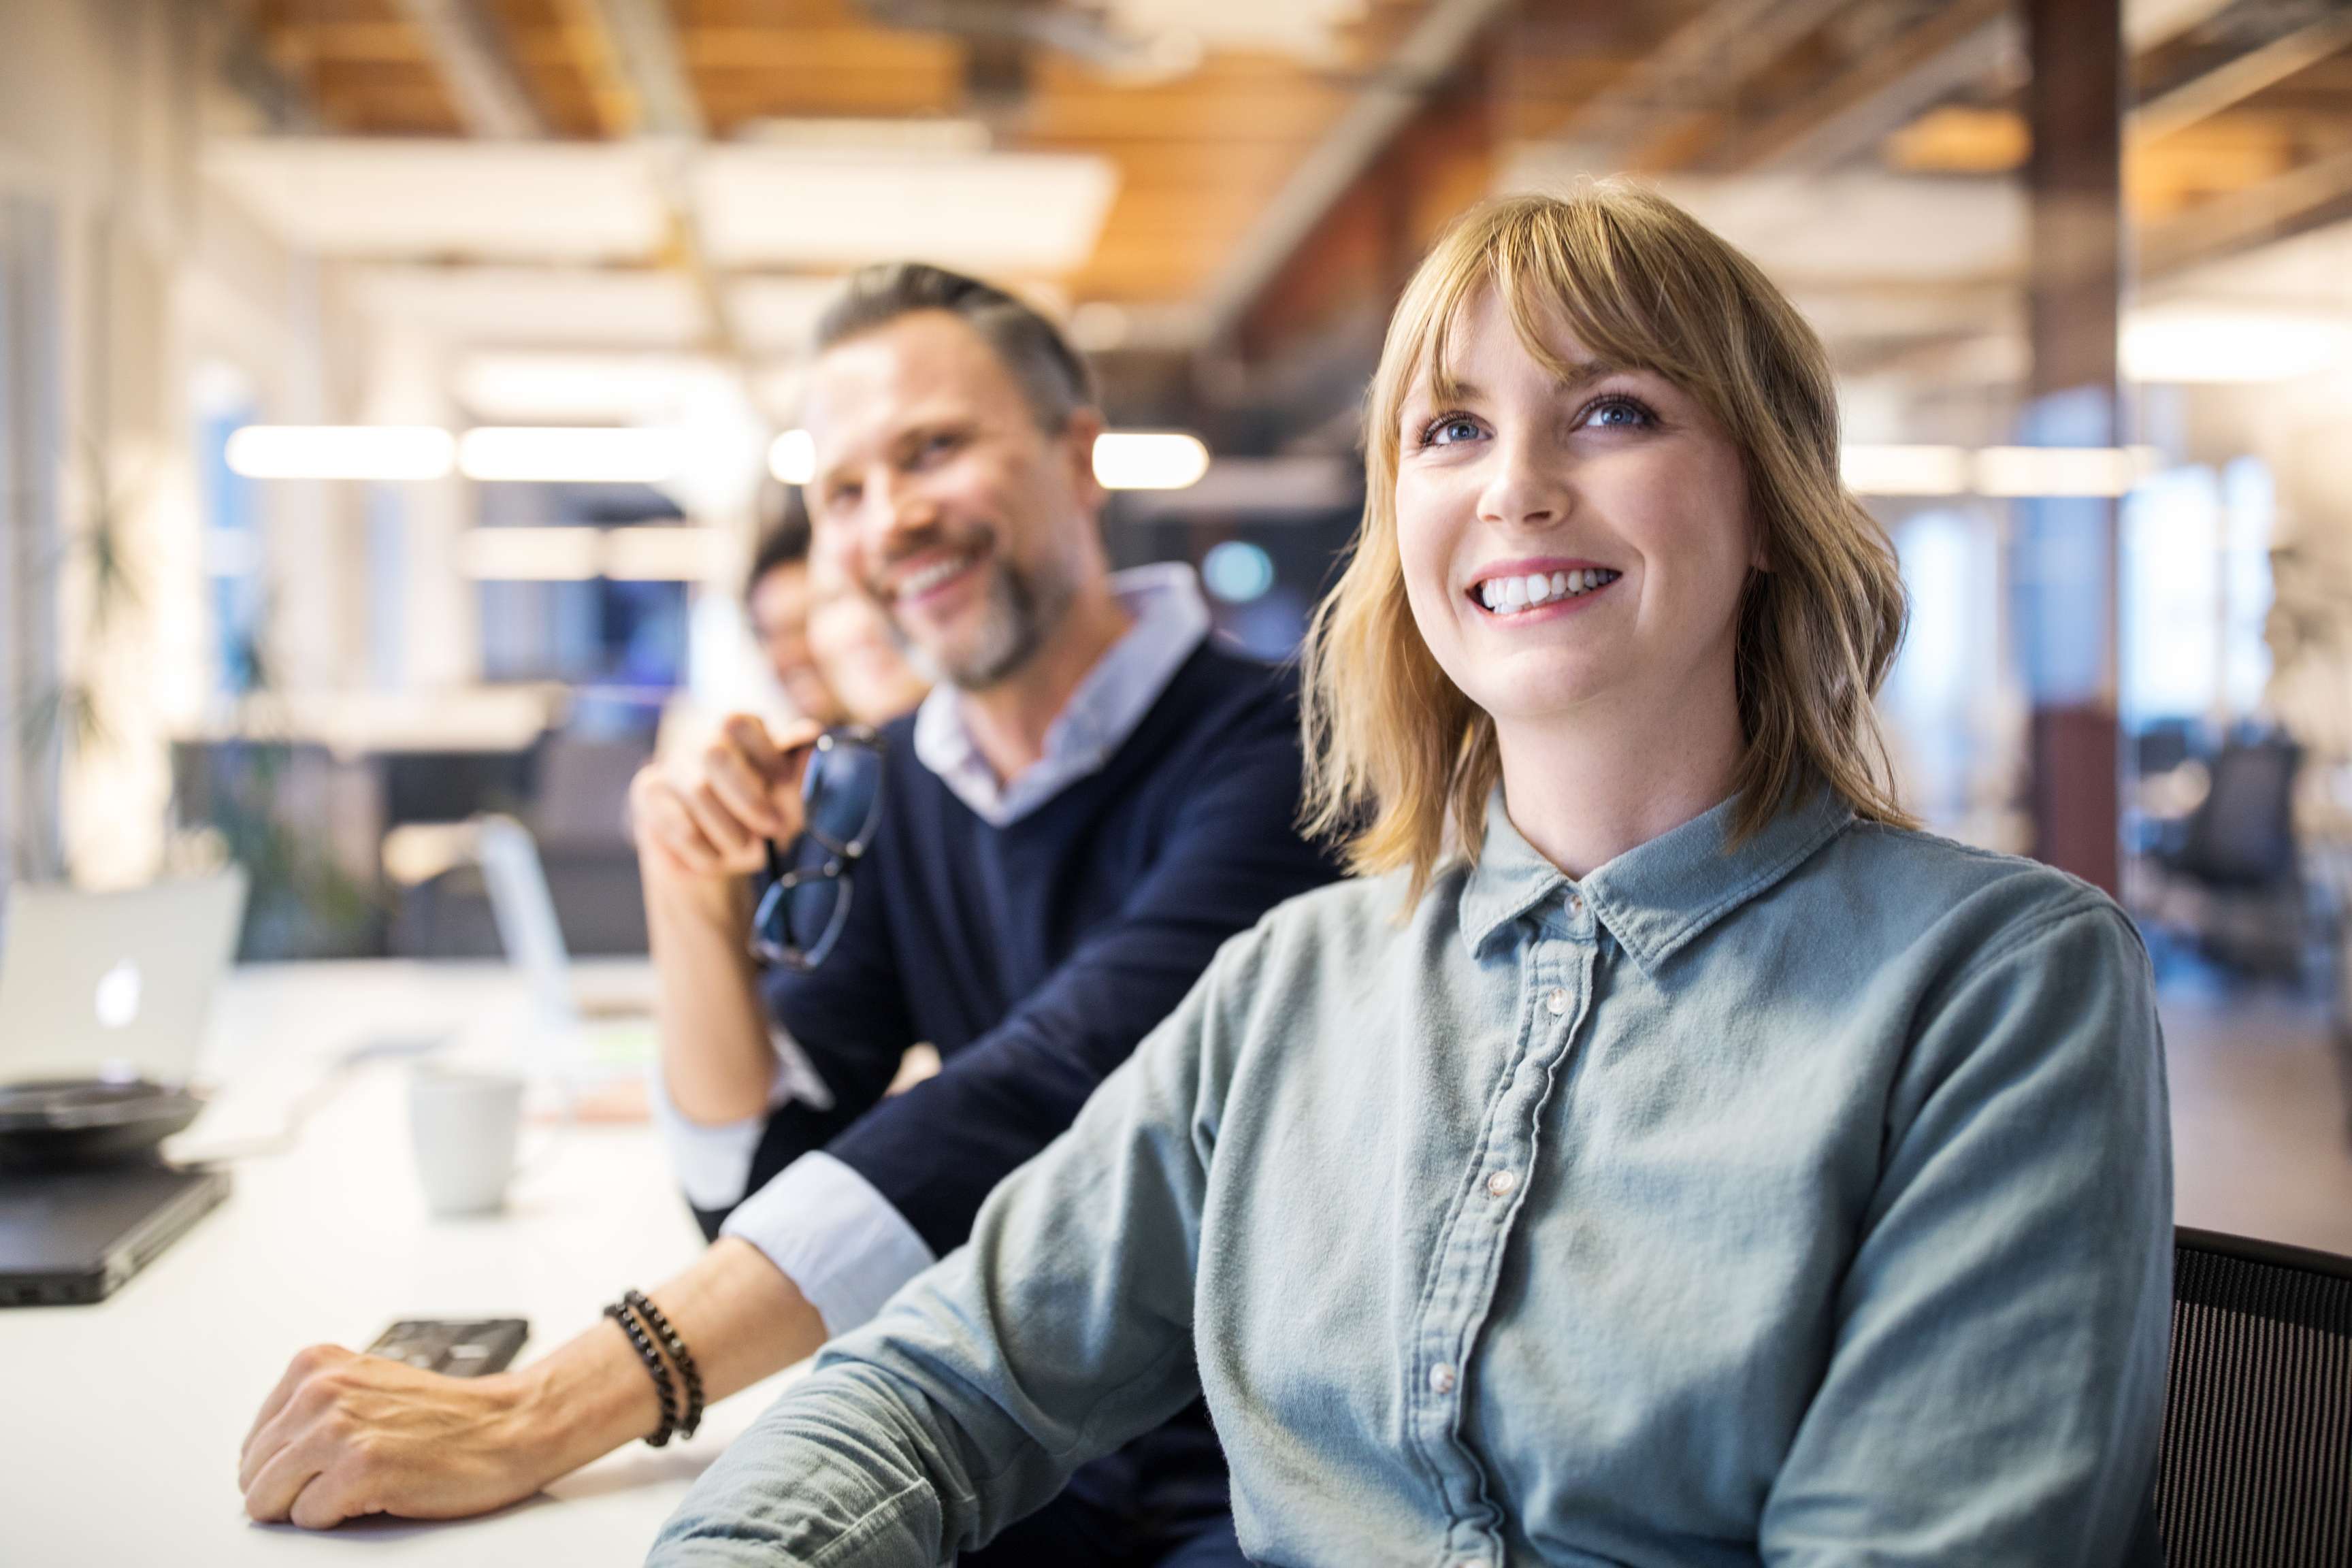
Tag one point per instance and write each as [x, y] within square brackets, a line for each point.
[114, 984]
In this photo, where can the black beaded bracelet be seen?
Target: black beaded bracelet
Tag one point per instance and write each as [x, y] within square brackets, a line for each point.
[688, 1372]
[620, 1313]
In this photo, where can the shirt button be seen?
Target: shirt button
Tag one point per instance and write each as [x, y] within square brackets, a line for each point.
[1500, 1183]
[1576, 903]
[1556, 1000]
[1441, 1379]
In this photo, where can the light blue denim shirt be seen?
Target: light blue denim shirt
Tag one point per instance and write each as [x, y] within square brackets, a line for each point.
[1806, 1202]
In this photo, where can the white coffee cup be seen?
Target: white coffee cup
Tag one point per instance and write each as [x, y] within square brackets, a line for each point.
[464, 1125]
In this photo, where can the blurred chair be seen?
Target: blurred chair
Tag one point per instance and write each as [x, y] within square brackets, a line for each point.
[2162, 745]
[579, 817]
[574, 797]
[2256, 1466]
[2235, 859]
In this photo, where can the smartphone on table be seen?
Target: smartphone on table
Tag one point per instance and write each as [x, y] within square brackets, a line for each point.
[460, 1347]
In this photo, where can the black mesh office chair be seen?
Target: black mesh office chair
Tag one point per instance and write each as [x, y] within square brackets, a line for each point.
[2257, 1463]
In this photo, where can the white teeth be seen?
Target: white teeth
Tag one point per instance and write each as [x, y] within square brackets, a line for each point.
[1506, 596]
[918, 583]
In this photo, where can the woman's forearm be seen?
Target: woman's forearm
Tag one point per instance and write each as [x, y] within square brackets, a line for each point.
[717, 1061]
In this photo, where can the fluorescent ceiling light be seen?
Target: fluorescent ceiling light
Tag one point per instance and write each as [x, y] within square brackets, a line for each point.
[2224, 345]
[338, 452]
[569, 454]
[923, 135]
[433, 199]
[792, 458]
[2056, 471]
[1904, 470]
[537, 307]
[994, 213]
[531, 554]
[1149, 460]
[528, 388]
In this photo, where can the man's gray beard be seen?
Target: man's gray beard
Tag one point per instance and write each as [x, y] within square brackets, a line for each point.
[1023, 611]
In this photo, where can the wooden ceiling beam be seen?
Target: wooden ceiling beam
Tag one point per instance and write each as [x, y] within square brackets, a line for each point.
[2303, 198]
[1956, 47]
[2231, 84]
[465, 50]
[594, 56]
[1693, 71]
[1428, 57]
[644, 41]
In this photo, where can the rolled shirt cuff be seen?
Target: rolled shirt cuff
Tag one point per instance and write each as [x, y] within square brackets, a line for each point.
[832, 1236]
[713, 1160]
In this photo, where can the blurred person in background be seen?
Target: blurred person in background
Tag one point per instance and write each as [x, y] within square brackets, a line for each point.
[1091, 801]
[851, 640]
[780, 599]
[1662, 1153]
[829, 644]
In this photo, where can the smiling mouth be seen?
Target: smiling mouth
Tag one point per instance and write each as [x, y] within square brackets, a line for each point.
[1516, 595]
[929, 579]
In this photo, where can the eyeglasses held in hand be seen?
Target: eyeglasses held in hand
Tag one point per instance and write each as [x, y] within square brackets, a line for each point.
[802, 914]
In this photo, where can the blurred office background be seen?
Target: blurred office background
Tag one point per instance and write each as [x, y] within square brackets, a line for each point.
[506, 299]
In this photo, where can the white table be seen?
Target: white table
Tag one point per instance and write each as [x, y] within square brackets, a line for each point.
[120, 1424]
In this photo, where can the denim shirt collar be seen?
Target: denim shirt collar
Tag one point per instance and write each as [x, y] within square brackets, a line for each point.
[1657, 896]
[1170, 620]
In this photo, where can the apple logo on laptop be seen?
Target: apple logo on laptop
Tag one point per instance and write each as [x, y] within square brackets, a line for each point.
[117, 996]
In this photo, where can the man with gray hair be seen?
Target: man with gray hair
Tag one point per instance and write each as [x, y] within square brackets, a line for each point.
[1092, 800]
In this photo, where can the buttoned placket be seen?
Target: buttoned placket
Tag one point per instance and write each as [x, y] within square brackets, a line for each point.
[1558, 947]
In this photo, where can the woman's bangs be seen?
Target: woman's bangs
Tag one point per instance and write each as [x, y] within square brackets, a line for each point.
[1559, 278]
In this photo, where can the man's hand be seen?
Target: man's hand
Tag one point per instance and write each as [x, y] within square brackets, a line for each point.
[713, 818]
[345, 1435]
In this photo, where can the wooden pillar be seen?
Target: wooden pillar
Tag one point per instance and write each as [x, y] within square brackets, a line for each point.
[2067, 563]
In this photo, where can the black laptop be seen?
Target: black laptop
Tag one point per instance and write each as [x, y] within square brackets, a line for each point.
[103, 999]
[72, 1236]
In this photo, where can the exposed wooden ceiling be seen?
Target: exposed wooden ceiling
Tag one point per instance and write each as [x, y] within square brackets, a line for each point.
[1197, 156]
[2244, 129]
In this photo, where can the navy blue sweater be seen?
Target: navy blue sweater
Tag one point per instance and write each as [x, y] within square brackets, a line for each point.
[1036, 956]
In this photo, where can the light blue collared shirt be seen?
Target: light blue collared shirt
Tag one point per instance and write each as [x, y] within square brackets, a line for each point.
[1806, 1202]
[1170, 620]
[837, 1238]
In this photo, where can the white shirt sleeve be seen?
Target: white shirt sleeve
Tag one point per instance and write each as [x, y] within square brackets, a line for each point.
[713, 1160]
[832, 1236]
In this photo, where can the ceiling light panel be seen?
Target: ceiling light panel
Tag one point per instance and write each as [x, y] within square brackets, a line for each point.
[513, 388]
[1010, 211]
[338, 452]
[536, 307]
[570, 455]
[540, 201]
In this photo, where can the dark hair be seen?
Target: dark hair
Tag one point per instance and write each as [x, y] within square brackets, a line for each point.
[785, 544]
[1053, 378]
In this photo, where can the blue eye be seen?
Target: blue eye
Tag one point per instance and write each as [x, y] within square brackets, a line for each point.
[1448, 428]
[1619, 414]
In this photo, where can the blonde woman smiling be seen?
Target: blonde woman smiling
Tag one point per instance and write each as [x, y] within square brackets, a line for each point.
[1663, 1155]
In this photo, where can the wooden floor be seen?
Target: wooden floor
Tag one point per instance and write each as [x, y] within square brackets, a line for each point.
[2258, 1119]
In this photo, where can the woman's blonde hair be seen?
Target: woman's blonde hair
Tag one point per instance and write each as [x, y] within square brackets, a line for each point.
[1394, 749]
